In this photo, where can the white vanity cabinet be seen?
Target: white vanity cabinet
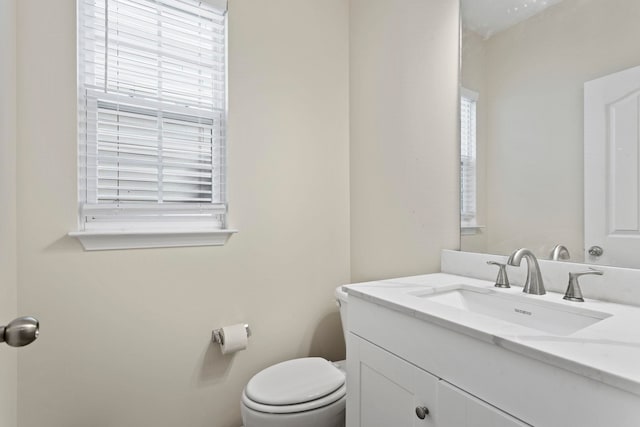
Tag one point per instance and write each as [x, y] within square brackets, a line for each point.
[393, 392]
[398, 361]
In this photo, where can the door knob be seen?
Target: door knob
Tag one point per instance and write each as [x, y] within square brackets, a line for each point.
[596, 251]
[20, 332]
[422, 411]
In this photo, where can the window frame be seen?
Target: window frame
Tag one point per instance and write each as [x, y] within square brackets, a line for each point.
[155, 224]
[469, 217]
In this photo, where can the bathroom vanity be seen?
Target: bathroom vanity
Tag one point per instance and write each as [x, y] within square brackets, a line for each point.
[446, 350]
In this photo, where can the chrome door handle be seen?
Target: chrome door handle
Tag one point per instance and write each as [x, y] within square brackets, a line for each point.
[422, 412]
[20, 332]
[596, 251]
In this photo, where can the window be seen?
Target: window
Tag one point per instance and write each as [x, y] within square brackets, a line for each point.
[468, 190]
[152, 116]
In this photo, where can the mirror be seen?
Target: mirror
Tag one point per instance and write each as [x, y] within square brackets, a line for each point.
[524, 68]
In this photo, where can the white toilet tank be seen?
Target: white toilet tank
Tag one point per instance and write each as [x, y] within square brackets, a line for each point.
[341, 299]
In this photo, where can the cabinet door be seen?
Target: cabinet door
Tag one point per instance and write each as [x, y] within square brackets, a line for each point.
[384, 390]
[459, 409]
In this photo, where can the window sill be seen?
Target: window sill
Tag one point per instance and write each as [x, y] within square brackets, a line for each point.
[470, 230]
[144, 239]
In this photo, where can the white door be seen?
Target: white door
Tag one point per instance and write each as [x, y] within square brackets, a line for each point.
[8, 287]
[386, 391]
[611, 169]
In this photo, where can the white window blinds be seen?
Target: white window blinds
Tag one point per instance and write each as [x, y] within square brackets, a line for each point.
[152, 106]
[468, 103]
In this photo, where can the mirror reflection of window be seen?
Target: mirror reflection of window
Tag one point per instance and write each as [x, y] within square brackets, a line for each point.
[468, 178]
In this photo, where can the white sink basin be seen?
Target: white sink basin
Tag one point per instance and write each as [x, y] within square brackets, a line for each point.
[545, 316]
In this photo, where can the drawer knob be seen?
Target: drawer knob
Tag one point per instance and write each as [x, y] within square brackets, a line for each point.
[422, 411]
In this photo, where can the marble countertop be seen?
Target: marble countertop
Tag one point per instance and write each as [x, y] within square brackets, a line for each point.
[607, 351]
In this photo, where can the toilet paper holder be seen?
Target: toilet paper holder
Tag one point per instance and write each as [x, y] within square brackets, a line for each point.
[218, 337]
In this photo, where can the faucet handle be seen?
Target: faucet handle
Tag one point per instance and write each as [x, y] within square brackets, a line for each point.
[502, 281]
[574, 293]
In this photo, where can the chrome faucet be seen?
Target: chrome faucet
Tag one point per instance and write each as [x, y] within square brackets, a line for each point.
[533, 284]
[560, 253]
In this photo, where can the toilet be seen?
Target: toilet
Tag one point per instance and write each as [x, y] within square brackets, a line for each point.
[307, 392]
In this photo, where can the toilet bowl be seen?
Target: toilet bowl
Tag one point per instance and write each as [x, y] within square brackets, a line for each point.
[307, 392]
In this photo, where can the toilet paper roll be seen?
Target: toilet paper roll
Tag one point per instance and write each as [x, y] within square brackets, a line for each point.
[234, 338]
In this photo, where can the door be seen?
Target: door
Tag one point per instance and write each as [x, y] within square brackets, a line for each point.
[459, 409]
[8, 239]
[611, 165]
[386, 391]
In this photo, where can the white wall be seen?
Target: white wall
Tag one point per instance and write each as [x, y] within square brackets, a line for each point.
[404, 155]
[8, 271]
[125, 334]
[535, 75]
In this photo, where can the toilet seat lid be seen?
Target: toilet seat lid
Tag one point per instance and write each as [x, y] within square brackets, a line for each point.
[295, 381]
